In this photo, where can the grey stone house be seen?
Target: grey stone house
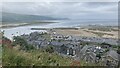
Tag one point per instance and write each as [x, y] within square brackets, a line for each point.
[36, 39]
[66, 47]
[113, 57]
[88, 53]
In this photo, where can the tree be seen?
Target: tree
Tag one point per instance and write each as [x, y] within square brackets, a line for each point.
[29, 47]
[118, 51]
[106, 44]
[22, 42]
[19, 41]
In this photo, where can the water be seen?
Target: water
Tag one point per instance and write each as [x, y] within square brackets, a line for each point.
[16, 31]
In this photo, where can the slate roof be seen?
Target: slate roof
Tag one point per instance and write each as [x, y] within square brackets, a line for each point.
[84, 49]
[56, 43]
[113, 54]
[66, 43]
[93, 55]
[95, 39]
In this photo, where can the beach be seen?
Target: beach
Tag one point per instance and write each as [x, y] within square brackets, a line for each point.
[88, 33]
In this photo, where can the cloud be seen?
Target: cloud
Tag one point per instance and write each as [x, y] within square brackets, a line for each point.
[60, 0]
[73, 10]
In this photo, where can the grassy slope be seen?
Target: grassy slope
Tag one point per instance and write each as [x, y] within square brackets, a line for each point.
[15, 57]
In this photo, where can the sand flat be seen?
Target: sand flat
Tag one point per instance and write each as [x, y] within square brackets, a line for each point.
[87, 33]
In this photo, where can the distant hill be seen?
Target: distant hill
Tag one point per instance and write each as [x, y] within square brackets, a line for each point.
[12, 17]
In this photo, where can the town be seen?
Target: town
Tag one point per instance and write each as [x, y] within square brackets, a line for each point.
[88, 49]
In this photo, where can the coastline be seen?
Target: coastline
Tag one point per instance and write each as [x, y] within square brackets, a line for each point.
[22, 24]
[13, 25]
[88, 31]
[82, 32]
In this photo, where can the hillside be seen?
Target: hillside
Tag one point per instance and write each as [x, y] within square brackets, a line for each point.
[34, 57]
[15, 57]
[19, 18]
[19, 53]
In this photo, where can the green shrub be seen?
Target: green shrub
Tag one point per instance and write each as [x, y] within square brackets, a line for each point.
[49, 49]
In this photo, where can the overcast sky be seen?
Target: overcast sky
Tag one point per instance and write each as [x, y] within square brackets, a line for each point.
[72, 10]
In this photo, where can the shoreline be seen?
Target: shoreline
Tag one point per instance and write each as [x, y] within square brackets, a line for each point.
[82, 32]
[13, 25]
[22, 24]
[87, 31]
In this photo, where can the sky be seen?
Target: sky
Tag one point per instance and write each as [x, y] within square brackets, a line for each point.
[71, 10]
[59, 0]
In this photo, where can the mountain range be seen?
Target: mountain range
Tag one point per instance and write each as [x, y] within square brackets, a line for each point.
[19, 18]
